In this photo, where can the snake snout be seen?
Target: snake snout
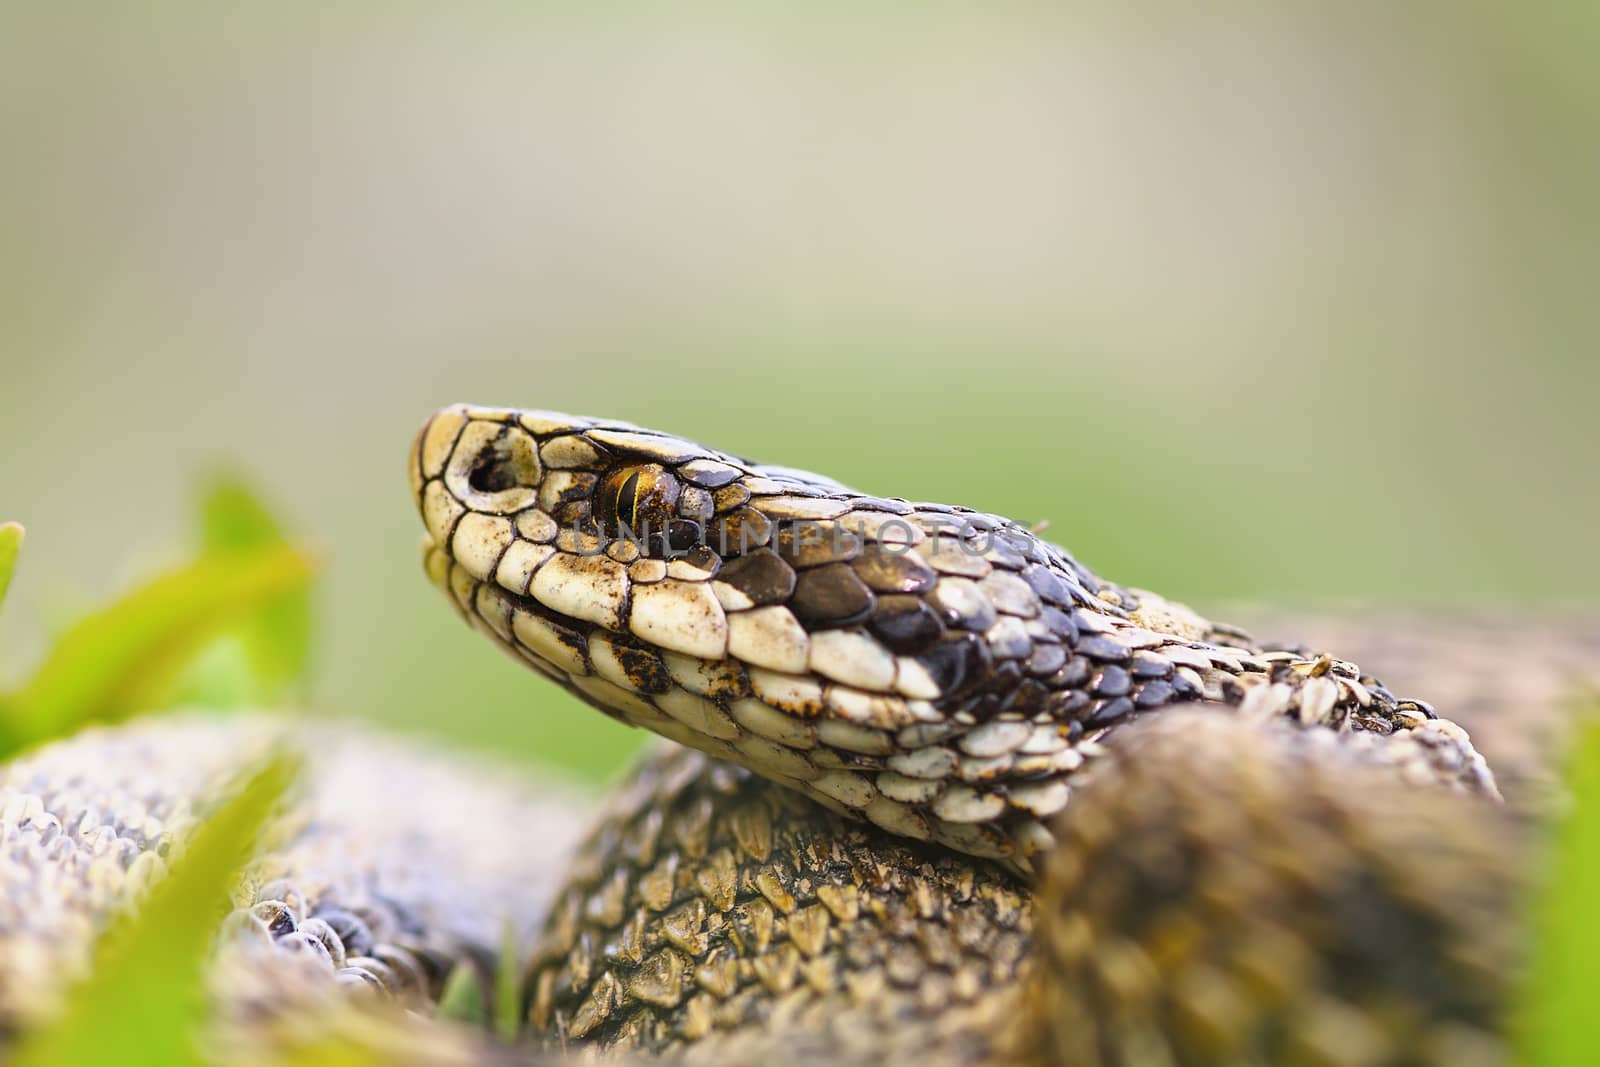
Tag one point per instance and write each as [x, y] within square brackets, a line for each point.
[467, 459]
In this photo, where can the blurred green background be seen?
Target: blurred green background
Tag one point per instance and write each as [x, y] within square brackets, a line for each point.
[1273, 302]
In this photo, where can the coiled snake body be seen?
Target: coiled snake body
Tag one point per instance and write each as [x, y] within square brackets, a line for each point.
[1249, 869]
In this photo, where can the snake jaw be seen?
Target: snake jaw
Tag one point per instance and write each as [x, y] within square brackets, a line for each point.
[932, 669]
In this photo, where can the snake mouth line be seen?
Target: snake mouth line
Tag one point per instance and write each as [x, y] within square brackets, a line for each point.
[579, 628]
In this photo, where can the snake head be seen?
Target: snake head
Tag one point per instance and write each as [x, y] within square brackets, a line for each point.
[888, 658]
[581, 515]
[936, 670]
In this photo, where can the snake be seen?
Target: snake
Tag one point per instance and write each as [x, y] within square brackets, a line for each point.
[928, 788]
[942, 682]
[940, 672]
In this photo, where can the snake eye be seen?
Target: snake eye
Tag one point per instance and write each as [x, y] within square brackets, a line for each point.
[641, 498]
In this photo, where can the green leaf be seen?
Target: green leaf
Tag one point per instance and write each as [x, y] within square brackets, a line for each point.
[270, 649]
[336, 1051]
[462, 997]
[508, 987]
[233, 517]
[144, 999]
[219, 675]
[1556, 1020]
[106, 667]
[10, 545]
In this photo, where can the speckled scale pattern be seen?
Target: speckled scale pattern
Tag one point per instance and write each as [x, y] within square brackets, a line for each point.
[1237, 894]
[382, 874]
[714, 912]
[1513, 681]
[939, 672]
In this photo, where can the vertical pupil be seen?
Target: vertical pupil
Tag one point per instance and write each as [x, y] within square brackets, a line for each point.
[627, 501]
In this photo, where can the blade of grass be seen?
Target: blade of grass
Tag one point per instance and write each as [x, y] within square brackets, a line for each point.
[1556, 1020]
[145, 997]
[462, 997]
[106, 666]
[276, 637]
[220, 675]
[261, 659]
[337, 1052]
[508, 987]
[10, 545]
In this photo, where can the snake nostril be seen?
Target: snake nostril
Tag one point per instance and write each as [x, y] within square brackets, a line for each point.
[490, 474]
[507, 462]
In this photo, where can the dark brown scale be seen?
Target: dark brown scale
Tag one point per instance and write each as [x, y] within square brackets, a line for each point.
[1004, 680]
[979, 707]
[1070, 704]
[1050, 586]
[581, 487]
[1106, 712]
[961, 613]
[812, 544]
[277, 916]
[1015, 646]
[574, 515]
[878, 503]
[1110, 681]
[1154, 694]
[700, 557]
[888, 571]
[1060, 624]
[1042, 552]
[761, 576]
[743, 531]
[1074, 674]
[1103, 648]
[709, 476]
[695, 504]
[680, 536]
[905, 624]
[958, 664]
[351, 929]
[730, 497]
[1150, 665]
[1183, 688]
[1029, 698]
[831, 596]
[1004, 553]
[1046, 659]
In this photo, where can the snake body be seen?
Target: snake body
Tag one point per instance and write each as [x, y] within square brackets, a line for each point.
[939, 682]
[937, 671]
[1222, 893]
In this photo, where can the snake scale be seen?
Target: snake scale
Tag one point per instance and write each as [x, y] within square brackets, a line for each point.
[939, 792]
